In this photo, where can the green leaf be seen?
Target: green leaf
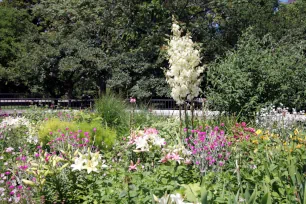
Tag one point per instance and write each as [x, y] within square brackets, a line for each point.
[123, 194]
[253, 196]
[204, 195]
[266, 199]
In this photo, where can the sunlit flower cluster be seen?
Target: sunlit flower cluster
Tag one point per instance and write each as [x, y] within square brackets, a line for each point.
[176, 153]
[9, 123]
[146, 139]
[276, 118]
[184, 73]
[91, 162]
[209, 148]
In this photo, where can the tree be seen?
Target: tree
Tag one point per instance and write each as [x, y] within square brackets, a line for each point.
[261, 71]
[14, 25]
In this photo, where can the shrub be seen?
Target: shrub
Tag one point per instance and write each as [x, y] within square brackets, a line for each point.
[259, 72]
[104, 135]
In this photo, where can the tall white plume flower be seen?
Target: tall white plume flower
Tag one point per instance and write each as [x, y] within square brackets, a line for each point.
[184, 73]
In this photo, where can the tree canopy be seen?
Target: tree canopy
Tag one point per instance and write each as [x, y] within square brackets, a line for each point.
[68, 48]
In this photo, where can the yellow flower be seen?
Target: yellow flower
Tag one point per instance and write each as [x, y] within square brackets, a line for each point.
[296, 131]
[255, 141]
[299, 146]
[258, 132]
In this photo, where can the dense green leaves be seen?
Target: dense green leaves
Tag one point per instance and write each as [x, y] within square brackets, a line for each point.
[259, 72]
[68, 48]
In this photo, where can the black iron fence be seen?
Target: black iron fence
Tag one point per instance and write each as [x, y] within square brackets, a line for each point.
[24, 103]
[16, 101]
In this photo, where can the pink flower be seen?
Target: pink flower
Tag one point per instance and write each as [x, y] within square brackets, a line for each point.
[25, 167]
[132, 100]
[243, 124]
[133, 167]
[222, 124]
[164, 160]
[176, 157]
[150, 131]
[11, 187]
[95, 129]
[188, 161]
[24, 158]
[9, 149]
[86, 133]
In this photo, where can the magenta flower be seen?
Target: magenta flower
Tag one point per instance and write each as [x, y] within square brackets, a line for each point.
[24, 158]
[25, 167]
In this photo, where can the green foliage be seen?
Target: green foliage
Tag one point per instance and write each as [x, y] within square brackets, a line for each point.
[14, 25]
[103, 136]
[264, 169]
[53, 125]
[114, 111]
[259, 72]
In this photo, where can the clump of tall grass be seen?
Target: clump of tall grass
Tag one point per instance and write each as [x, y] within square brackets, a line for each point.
[114, 112]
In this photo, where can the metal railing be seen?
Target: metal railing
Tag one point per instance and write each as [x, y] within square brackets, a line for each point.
[16, 101]
[23, 103]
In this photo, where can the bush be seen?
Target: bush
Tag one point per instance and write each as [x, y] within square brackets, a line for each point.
[259, 72]
[46, 129]
[104, 135]
[113, 110]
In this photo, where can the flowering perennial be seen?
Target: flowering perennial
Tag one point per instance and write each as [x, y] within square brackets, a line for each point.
[146, 139]
[177, 153]
[184, 73]
[9, 123]
[91, 162]
[210, 148]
